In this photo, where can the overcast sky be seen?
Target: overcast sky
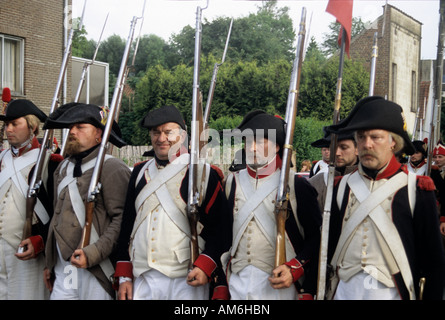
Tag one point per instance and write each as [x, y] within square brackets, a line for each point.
[165, 17]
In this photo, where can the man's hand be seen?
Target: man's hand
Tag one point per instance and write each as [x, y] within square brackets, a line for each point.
[48, 279]
[125, 291]
[281, 277]
[29, 252]
[79, 259]
[197, 277]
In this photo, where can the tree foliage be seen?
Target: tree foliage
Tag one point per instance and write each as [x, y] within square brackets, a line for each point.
[255, 75]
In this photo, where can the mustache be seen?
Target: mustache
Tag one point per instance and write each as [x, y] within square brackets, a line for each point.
[367, 153]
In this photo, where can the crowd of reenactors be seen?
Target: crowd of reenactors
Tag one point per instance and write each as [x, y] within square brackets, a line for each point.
[386, 222]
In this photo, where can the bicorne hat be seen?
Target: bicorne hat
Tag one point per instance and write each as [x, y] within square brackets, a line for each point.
[163, 115]
[260, 122]
[20, 108]
[375, 112]
[72, 113]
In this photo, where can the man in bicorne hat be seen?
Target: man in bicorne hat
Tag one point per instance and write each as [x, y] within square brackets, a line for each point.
[384, 230]
[346, 161]
[154, 244]
[20, 272]
[417, 161]
[84, 274]
[250, 262]
[323, 144]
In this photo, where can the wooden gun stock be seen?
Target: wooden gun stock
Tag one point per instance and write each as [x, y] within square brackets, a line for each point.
[281, 217]
[30, 204]
[86, 232]
[193, 218]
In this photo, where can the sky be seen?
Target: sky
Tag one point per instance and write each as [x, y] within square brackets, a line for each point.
[166, 17]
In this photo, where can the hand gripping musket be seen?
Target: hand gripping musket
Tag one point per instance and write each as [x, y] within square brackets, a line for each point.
[195, 132]
[322, 270]
[47, 144]
[86, 66]
[95, 186]
[282, 199]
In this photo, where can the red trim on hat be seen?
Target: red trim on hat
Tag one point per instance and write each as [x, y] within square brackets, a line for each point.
[439, 149]
[206, 264]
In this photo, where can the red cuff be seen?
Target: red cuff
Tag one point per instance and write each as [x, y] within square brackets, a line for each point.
[206, 264]
[442, 219]
[295, 268]
[124, 269]
[221, 293]
[37, 243]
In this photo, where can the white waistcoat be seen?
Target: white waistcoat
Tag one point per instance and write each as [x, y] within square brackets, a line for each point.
[160, 237]
[257, 232]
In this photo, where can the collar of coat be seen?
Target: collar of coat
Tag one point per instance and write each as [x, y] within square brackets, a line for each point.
[390, 169]
[266, 170]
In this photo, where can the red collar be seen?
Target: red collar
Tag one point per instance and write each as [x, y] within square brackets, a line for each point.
[391, 169]
[33, 145]
[267, 170]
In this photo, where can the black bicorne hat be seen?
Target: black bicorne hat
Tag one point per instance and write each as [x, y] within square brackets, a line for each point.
[259, 120]
[375, 112]
[20, 108]
[421, 146]
[72, 113]
[163, 115]
[325, 142]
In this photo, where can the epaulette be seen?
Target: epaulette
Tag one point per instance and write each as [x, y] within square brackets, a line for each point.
[56, 157]
[425, 183]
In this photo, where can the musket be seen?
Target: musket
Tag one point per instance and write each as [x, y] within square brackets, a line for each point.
[95, 186]
[282, 198]
[213, 81]
[47, 143]
[85, 68]
[322, 267]
[195, 131]
[375, 50]
[204, 134]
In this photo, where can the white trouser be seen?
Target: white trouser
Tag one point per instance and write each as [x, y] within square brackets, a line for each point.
[363, 286]
[20, 280]
[153, 285]
[252, 283]
[76, 284]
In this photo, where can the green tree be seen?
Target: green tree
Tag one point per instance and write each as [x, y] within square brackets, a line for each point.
[330, 43]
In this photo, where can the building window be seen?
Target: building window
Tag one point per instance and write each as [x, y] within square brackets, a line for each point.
[413, 92]
[394, 82]
[11, 64]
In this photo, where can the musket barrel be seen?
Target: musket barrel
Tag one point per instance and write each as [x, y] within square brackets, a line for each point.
[282, 198]
[95, 186]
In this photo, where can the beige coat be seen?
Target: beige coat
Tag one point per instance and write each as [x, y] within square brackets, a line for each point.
[65, 228]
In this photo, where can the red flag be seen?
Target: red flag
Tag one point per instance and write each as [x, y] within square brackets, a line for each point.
[342, 10]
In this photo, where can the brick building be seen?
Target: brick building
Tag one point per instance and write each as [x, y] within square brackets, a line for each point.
[398, 62]
[32, 40]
